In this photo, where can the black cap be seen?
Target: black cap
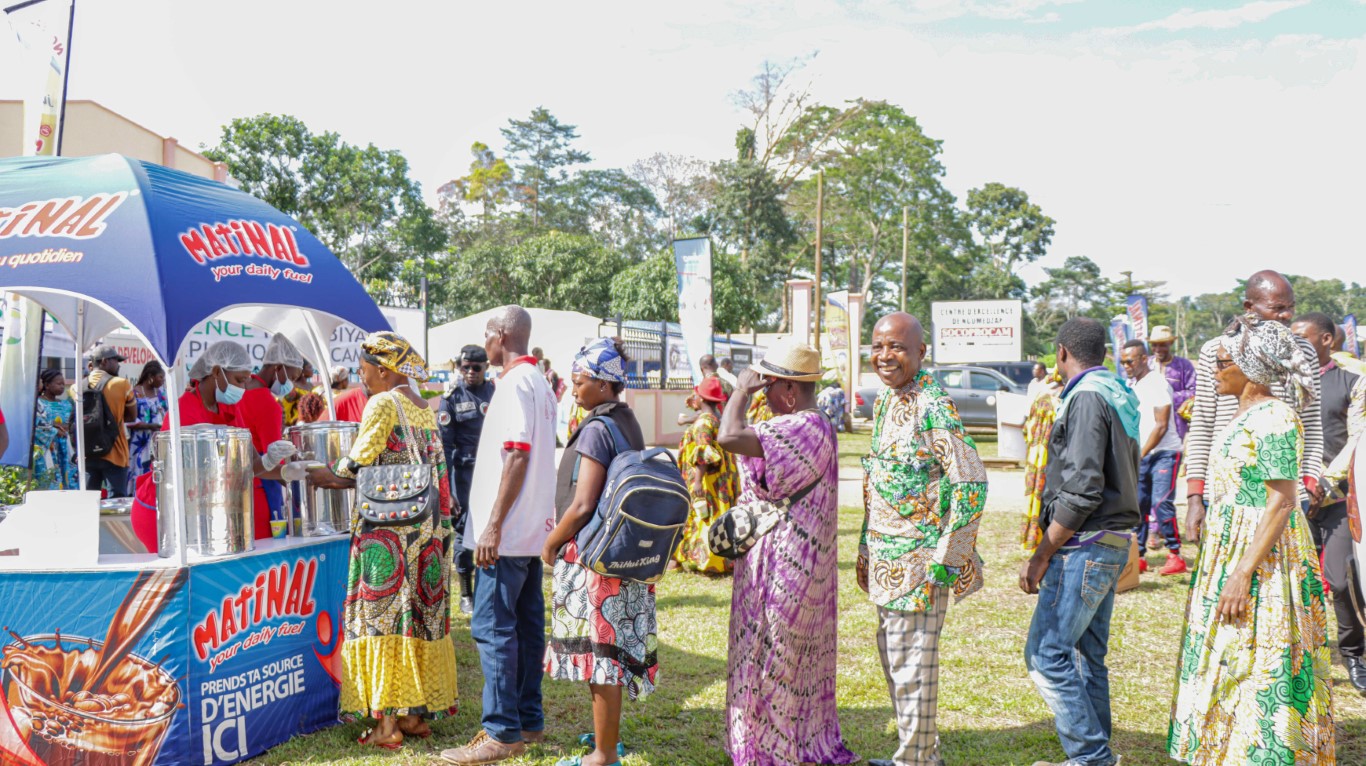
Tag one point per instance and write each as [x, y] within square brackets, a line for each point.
[107, 352]
[472, 353]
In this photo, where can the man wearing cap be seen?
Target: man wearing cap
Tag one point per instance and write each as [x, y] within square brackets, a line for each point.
[461, 417]
[1178, 371]
[924, 491]
[111, 466]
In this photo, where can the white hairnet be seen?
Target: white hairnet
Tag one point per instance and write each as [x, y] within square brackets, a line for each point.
[281, 351]
[226, 354]
[340, 374]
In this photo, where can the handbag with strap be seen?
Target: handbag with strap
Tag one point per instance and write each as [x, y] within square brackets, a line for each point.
[399, 494]
[739, 529]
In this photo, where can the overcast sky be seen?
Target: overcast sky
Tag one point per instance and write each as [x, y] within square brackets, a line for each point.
[1188, 141]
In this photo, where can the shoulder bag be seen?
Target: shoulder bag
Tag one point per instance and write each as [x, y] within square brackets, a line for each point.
[739, 529]
[400, 494]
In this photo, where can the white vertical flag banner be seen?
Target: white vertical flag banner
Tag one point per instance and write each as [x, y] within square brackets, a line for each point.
[19, 350]
[692, 258]
[43, 28]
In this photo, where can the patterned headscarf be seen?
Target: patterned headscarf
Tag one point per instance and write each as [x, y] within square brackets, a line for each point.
[1268, 353]
[600, 360]
[393, 352]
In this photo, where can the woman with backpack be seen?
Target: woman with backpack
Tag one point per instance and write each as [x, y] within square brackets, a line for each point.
[603, 629]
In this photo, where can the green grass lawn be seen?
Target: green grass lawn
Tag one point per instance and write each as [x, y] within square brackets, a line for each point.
[989, 711]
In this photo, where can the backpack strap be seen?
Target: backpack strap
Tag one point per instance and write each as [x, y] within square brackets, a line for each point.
[618, 440]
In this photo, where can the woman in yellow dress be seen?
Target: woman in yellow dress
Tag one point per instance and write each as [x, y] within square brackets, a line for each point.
[712, 479]
[398, 657]
[1043, 411]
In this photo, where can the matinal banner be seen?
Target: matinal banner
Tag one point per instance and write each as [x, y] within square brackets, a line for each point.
[1137, 309]
[44, 31]
[835, 348]
[1349, 332]
[692, 259]
[1119, 335]
[22, 348]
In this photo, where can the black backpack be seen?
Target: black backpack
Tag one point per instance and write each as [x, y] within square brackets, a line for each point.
[98, 423]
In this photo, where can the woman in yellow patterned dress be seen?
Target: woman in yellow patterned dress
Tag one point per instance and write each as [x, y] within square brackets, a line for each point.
[1043, 412]
[1252, 681]
[398, 657]
[712, 479]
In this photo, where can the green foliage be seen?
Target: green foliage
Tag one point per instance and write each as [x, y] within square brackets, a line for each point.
[649, 291]
[553, 270]
[1013, 229]
[14, 483]
[358, 200]
[541, 146]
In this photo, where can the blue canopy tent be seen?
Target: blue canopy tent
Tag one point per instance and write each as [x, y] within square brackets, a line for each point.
[106, 241]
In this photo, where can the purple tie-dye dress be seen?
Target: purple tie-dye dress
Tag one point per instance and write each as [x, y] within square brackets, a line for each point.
[780, 700]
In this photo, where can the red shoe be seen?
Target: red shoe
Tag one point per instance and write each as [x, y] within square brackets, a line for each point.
[1175, 565]
[1142, 565]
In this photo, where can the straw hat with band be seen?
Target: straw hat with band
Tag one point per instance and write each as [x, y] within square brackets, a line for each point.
[791, 360]
[1162, 334]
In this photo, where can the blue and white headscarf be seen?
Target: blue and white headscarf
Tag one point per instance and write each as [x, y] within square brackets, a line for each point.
[601, 361]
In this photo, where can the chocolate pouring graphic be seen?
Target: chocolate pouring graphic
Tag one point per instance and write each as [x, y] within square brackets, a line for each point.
[83, 702]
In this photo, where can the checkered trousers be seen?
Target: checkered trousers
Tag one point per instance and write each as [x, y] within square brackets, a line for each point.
[908, 643]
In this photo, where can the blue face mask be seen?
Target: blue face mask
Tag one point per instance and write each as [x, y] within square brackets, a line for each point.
[282, 388]
[230, 395]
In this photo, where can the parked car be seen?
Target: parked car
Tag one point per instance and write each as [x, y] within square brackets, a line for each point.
[1019, 373]
[973, 390]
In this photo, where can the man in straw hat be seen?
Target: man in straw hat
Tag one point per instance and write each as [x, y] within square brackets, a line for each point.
[1178, 371]
[780, 691]
[922, 473]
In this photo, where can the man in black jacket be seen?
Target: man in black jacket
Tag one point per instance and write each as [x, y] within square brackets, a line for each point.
[461, 418]
[1089, 510]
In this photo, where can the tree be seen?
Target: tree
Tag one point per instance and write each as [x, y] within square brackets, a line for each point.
[1012, 229]
[613, 208]
[489, 183]
[552, 270]
[357, 200]
[1074, 289]
[678, 184]
[649, 291]
[542, 146]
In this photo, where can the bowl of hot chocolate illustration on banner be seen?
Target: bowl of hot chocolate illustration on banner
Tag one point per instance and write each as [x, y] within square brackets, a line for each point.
[78, 701]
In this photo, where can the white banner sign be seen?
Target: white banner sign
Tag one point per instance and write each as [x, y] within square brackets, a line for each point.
[692, 257]
[977, 331]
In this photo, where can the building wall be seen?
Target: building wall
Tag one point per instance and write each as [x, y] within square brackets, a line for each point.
[93, 129]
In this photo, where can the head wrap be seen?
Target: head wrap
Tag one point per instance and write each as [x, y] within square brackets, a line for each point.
[393, 352]
[1268, 353]
[281, 351]
[339, 374]
[601, 360]
[225, 354]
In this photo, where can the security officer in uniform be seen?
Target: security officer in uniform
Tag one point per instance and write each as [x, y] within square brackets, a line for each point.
[461, 417]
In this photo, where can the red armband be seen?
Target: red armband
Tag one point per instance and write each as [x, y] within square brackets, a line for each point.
[523, 446]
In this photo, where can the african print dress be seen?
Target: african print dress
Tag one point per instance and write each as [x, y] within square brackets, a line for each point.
[1038, 426]
[720, 486]
[780, 695]
[398, 654]
[53, 468]
[1255, 691]
[151, 409]
[759, 410]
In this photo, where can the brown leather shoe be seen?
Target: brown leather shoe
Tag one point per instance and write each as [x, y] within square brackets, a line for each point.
[533, 737]
[482, 750]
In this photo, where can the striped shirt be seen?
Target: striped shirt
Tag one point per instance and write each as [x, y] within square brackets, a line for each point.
[1211, 412]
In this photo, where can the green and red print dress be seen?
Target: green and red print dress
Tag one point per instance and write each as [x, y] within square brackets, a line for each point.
[398, 654]
[1255, 691]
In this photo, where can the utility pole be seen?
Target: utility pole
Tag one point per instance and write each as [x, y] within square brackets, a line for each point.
[820, 244]
[905, 247]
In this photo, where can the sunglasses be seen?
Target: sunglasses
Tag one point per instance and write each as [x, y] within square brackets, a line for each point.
[472, 368]
[1223, 364]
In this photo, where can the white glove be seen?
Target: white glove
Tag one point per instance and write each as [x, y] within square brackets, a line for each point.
[296, 471]
[277, 453]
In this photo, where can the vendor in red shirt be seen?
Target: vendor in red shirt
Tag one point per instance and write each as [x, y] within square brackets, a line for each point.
[217, 387]
[348, 401]
[261, 413]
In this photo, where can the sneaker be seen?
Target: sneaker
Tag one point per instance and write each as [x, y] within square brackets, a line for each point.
[1142, 565]
[482, 750]
[466, 605]
[1115, 762]
[1175, 565]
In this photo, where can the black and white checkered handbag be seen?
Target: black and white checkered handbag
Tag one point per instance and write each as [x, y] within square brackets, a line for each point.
[739, 529]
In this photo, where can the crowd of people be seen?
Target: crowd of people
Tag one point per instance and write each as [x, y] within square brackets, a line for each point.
[1262, 424]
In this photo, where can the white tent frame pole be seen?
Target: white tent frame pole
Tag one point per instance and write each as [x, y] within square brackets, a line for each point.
[78, 421]
[176, 468]
[320, 346]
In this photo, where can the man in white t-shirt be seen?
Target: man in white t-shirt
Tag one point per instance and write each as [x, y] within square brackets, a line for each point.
[1160, 456]
[512, 510]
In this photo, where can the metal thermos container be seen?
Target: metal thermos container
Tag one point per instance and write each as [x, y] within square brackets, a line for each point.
[216, 468]
[322, 512]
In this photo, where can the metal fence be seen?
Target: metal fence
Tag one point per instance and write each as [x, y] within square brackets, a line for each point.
[655, 350]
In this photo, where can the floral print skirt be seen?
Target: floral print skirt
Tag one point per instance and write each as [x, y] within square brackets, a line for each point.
[602, 629]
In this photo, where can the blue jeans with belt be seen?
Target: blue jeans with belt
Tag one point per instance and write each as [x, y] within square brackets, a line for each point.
[1065, 650]
[508, 626]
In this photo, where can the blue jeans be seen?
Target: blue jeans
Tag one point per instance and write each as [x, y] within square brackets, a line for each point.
[99, 471]
[1157, 495]
[508, 625]
[1065, 651]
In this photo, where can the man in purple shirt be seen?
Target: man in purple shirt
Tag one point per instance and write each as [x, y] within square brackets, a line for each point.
[1178, 371]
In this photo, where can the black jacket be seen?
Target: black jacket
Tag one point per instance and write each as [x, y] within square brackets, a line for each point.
[1091, 481]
